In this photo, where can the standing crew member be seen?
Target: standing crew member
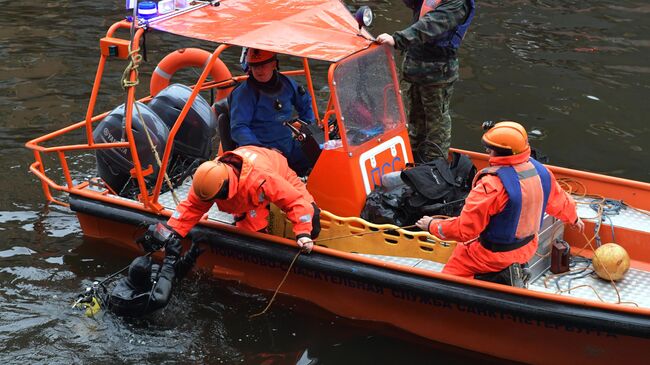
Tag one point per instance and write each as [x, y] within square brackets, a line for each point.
[261, 105]
[504, 210]
[431, 68]
[243, 182]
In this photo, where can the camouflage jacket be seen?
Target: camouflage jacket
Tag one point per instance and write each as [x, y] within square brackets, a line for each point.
[425, 63]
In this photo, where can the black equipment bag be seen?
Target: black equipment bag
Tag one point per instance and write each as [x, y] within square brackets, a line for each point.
[388, 206]
[434, 188]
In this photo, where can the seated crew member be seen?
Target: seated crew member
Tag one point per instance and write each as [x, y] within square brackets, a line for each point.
[148, 286]
[260, 106]
[499, 223]
[243, 182]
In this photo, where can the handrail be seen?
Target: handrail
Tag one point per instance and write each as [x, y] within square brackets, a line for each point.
[34, 143]
[93, 99]
[35, 168]
[64, 166]
[130, 99]
[100, 72]
[310, 86]
[149, 202]
[335, 104]
[325, 121]
[78, 147]
[181, 117]
[117, 25]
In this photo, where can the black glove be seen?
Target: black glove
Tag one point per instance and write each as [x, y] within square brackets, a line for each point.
[193, 253]
[184, 265]
[156, 237]
[173, 248]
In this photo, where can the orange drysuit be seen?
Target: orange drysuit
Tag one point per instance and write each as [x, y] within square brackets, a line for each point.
[488, 198]
[265, 177]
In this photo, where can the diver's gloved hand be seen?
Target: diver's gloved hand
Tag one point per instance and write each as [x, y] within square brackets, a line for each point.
[193, 253]
[173, 248]
[156, 237]
[184, 265]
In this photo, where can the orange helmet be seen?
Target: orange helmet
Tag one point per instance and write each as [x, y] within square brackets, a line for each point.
[257, 57]
[506, 138]
[208, 179]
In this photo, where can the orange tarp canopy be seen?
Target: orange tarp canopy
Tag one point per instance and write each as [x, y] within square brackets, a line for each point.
[318, 29]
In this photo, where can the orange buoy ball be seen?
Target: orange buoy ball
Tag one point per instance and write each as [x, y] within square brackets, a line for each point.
[611, 261]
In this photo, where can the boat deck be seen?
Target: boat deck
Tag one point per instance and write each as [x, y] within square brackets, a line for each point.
[634, 288]
[618, 216]
[580, 282]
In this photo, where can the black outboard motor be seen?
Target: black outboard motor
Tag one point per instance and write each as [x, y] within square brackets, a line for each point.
[194, 138]
[114, 164]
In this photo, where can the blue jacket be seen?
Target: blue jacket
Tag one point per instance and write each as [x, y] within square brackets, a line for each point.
[257, 117]
[453, 38]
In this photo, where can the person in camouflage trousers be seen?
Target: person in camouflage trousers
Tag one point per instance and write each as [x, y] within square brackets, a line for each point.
[431, 68]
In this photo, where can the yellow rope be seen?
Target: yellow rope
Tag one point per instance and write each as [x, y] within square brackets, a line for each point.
[134, 63]
[275, 293]
[155, 153]
[279, 286]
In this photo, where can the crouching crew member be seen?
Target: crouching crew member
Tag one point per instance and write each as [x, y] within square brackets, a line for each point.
[504, 210]
[243, 182]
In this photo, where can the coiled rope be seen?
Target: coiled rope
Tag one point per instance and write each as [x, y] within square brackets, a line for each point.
[603, 207]
[135, 59]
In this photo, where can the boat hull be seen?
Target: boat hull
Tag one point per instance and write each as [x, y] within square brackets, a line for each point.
[507, 324]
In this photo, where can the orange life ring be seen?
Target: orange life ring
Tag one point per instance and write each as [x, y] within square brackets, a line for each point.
[187, 57]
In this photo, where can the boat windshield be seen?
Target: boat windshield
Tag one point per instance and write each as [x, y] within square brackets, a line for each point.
[367, 95]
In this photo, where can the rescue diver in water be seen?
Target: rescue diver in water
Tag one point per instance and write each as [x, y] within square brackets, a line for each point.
[148, 286]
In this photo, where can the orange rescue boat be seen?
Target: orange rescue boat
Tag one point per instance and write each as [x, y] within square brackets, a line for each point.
[358, 270]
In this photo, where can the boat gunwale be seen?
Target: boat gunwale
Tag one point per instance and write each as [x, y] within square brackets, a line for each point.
[506, 295]
[578, 174]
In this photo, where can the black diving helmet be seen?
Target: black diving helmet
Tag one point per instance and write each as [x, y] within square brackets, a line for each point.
[140, 273]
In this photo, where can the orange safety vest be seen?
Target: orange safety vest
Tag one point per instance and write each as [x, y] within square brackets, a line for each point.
[528, 186]
[428, 5]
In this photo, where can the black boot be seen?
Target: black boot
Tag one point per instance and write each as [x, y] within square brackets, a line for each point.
[514, 275]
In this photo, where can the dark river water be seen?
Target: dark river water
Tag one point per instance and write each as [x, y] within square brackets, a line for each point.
[576, 71]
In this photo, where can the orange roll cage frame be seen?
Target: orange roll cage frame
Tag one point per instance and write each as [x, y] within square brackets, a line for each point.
[149, 200]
